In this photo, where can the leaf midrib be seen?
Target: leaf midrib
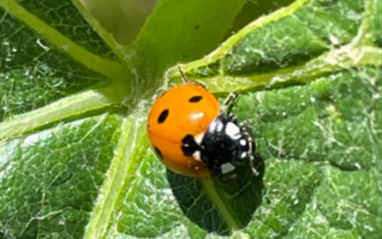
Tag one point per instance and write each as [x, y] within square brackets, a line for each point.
[111, 69]
[217, 200]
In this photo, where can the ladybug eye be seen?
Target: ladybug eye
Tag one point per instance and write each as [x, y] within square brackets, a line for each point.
[195, 99]
[163, 116]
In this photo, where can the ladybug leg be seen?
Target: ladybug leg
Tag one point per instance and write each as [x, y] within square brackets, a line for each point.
[252, 163]
[244, 127]
[253, 157]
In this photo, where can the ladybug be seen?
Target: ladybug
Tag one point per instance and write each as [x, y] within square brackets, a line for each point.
[196, 137]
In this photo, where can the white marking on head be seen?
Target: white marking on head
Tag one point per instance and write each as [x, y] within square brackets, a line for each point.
[243, 142]
[198, 138]
[216, 126]
[232, 130]
[196, 155]
[219, 126]
[227, 167]
[243, 155]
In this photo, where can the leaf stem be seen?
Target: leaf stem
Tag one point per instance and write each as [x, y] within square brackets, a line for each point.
[363, 37]
[106, 36]
[221, 206]
[132, 142]
[68, 107]
[111, 69]
[359, 52]
[227, 45]
[334, 60]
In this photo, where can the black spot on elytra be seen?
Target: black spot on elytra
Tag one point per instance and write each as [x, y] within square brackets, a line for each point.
[188, 139]
[189, 145]
[163, 116]
[195, 99]
[159, 153]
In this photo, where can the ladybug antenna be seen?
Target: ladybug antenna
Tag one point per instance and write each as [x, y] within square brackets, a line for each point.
[228, 103]
[231, 97]
[184, 78]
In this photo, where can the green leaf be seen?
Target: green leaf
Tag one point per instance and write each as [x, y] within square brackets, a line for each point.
[293, 45]
[51, 178]
[323, 152]
[75, 161]
[198, 28]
